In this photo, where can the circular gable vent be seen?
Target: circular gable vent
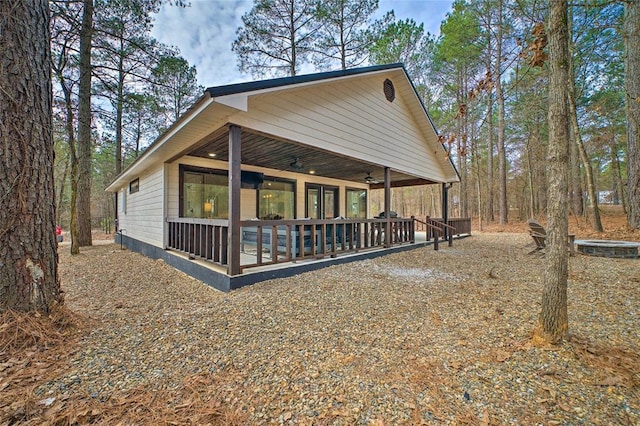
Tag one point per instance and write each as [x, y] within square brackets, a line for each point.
[389, 90]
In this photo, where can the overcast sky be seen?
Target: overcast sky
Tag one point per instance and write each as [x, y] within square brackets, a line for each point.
[204, 31]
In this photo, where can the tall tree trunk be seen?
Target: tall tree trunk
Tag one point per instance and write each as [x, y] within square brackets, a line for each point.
[73, 219]
[459, 134]
[618, 186]
[475, 155]
[553, 322]
[343, 44]
[577, 140]
[292, 30]
[577, 201]
[503, 208]
[119, 112]
[632, 102]
[586, 164]
[490, 184]
[490, 194]
[85, 146]
[539, 164]
[73, 162]
[138, 135]
[464, 136]
[530, 162]
[28, 255]
[59, 200]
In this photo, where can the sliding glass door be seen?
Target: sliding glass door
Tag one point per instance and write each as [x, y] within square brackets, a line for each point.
[321, 201]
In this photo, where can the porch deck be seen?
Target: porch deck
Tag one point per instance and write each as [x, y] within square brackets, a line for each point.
[279, 248]
[248, 258]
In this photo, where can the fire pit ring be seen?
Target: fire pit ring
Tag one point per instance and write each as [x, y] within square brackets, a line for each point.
[608, 248]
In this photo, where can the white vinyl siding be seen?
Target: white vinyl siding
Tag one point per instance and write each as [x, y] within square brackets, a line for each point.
[143, 219]
[352, 118]
[123, 201]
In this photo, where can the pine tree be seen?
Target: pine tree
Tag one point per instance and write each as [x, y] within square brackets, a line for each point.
[28, 256]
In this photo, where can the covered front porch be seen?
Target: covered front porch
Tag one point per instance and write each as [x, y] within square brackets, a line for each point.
[271, 242]
[200, 248]
[277, 173]
[239, 245]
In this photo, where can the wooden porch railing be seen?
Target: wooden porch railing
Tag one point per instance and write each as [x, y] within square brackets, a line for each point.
[265, 242]
[437, 230]
[200, 238]
[460, 225]
[276, 241]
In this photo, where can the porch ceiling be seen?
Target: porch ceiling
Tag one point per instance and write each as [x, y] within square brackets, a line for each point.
[269, 152]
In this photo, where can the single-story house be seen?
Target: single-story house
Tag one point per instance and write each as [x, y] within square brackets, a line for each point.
[279, 171]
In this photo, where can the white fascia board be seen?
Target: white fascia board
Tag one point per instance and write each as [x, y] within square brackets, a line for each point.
[137, 167]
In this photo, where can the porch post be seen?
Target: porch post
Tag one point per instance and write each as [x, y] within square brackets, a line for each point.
[445, 208]
[387, 206]
[233, 244]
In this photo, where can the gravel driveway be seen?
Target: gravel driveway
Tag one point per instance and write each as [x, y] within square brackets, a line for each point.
[415, 337]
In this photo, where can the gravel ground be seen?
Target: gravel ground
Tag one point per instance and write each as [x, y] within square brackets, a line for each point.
[415, 337]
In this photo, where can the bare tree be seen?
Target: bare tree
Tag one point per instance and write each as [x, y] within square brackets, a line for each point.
[64, 45]
[342, 34]
[503, 204]
[276, 37]
[632, 99]
[28, 256]
[553, 322]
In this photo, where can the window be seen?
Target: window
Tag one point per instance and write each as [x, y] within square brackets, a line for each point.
[204, 193]
[356, 203]
[276, 199]
[134, 186]
[123, 204]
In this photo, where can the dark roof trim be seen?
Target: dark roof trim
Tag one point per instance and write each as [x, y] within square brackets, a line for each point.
[232, 89]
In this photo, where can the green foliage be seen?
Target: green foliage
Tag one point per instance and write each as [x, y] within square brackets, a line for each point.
[400, 41]
[597, 48]
[175, 87]
[405, 41]
[460, 41]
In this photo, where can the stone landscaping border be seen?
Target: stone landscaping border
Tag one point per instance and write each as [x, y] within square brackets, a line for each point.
[608, 248]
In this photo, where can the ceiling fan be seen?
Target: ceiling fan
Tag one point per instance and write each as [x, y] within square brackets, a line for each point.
[296, 165]
[370, 179]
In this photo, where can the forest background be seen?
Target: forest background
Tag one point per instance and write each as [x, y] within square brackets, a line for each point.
[484, 81]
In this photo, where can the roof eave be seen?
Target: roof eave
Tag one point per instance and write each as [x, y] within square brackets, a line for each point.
[201, 104]
[275, 83]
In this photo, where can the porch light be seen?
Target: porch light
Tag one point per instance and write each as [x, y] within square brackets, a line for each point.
[212, 154]
[208, 207]
[312, 172]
